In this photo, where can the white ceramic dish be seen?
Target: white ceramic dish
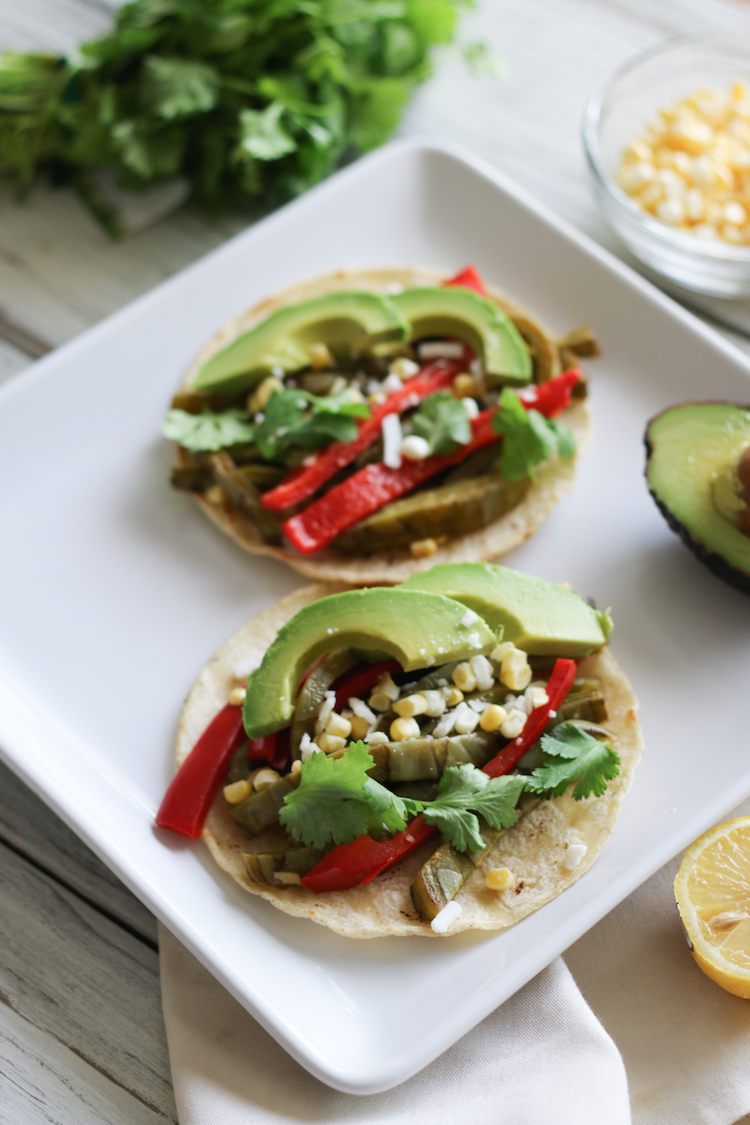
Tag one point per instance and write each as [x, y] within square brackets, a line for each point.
[116, 590]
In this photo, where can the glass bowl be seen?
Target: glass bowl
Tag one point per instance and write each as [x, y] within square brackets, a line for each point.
[618, 111]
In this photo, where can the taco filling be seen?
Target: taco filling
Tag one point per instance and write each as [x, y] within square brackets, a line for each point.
[355, 423]
[396, 750]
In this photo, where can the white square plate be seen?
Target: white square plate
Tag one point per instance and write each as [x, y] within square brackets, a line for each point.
[116, 591]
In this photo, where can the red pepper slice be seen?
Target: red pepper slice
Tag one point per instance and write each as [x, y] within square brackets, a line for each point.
[353, 865]
[560, 683]
[306, 479]
[468, 279]
[360, 679]
[196, 782]
[375, 485]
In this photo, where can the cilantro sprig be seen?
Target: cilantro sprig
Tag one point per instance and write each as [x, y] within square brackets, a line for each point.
[529, 437]
[208, 432]
[570, 754]
[465, 791]
[249, 101]
[443, 422]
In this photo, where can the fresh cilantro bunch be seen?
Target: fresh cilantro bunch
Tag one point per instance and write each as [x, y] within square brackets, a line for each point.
[292, 419]
[529, 437]
[570, 754]
[249, 101]
[443, 422]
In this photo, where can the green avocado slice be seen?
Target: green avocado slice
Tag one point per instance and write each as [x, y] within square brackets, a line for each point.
[416, 628]
[346, 322]
[540, 617]
[696, 453]
[464, 315]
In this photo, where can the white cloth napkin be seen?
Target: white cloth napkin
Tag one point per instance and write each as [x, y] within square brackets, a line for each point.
[541, 1057]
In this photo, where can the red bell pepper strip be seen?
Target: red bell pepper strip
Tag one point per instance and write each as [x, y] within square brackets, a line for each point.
[360, 679]
[376, 485]
[353, 865]
[468, 279]
[560, 683]
[306, 479]
[196, 782]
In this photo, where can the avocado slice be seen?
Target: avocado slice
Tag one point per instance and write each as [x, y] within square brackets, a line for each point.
[416, 628]
[464, 315]
[539, 617]
[346, 322]
[698, 472]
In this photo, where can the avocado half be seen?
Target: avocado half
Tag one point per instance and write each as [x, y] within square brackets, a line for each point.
[698, 472]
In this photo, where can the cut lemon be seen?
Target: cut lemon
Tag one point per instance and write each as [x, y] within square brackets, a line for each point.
[712, 889]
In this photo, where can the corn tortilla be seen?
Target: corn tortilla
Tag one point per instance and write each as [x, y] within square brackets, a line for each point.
[554, 481]
[534, 849]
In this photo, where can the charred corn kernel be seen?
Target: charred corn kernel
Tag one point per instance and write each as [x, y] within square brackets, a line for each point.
[463, 677]
[237, 696]
[215, 495]
[452, 696]
[263, 779]
[338, 726]
[387, 686]
[423, 548]
[288, 877]
[464, 385]
[410, 705]
[379, 701]
[402, 729]
[237, 792]
[434, 703]
[514, 724]
[296, 767]
[376, 737]
[359, 726]
[493, 718]
[260, 396]
[500, 879]
[329, 743]
[320, 357]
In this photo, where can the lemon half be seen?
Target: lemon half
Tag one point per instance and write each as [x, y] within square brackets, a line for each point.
[712, 889]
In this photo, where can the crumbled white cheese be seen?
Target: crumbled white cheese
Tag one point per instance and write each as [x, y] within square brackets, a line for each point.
[474, 640]
[478, 705]
[574, 853]
[471, 407]
[466, 719]
[443, 921]
[326, 707]
[482, 670]
[360, 708]
[391, 383]
[469, 618]
[441, 349]
[415, 448]
[393, 288]
[392, 438]
[445, 725]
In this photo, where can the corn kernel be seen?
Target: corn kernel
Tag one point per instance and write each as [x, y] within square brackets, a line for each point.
[330, 743]
[215, 496]
[463, 677]
[359, 726]
[338, 726]
[435, 703]
[493, 718]
[260, 396]
[410, 705]
[387, 686]
[405, 368]
[423, 548]
[482, 670]
[464, 385]
[452, 696]
[320, 357]
[263, 779]
[402, 729]
[237, 696]
[376, 737]
[466, 720]
[237, 792]
[288, 877]
[500, 879]
[515, 672]
[296, 767]
[379, 701]
[514, 723]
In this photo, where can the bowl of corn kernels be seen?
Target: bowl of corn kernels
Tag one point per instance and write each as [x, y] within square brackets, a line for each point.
[667, 140]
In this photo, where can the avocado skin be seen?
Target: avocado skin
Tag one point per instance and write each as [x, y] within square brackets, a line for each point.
[732, 575]
[717, 565]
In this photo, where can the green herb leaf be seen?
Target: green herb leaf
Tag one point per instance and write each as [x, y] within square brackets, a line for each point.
[179, 87]
[529, 437]
[464, 791]
[336, 801]
[207, 432]
[262, 136]
[305, 421]
[570, 755]
[443, 422]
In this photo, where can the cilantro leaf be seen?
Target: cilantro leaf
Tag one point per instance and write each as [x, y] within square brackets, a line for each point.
[207, 432]
[465, 791]
[297, 419]
[337, 801]
[179, 87]
[529, 437]
[570, 755]
[443, 422]
[262, 136]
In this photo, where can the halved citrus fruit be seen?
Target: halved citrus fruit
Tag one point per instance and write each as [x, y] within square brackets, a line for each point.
[712, 889]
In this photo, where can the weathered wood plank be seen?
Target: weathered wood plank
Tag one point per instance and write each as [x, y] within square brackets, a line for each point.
[33, 830]
[83, 983]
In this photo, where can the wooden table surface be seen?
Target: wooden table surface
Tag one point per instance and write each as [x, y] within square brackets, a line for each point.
[81, 1031]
